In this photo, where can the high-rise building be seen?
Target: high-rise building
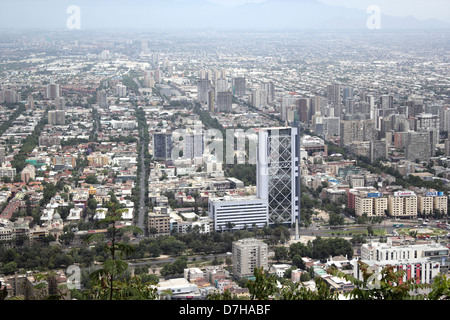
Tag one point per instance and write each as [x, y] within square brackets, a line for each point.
[258, 98]
[56, 117]
[60, 103]
[2, 155]
[162, 146]
[386, 102]
[121, 90]
[194, 145]
[102, 98]
[420, 145]
[247, 255]
[269, 88]
[221, 85]
[7, 171]
[403, 204]
[427, 121]
[278, 173]
[334, 94]
[347, 93]
[239, 87]
[378, 150]
[53, 91]
[30, 104]
[203, 86]
[357, 130]
[211, 100]
[29, 172]
[10, 96]
[304, 111]
[149, 79]
[224, 101]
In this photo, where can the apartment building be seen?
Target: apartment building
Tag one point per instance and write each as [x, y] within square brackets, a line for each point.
[370, 203]
[158, 223]
[403, 204]
[247, 255]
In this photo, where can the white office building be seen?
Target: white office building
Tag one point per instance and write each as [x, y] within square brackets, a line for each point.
[238, 212]
[421, 262]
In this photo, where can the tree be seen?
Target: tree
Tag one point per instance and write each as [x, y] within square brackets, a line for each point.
[440, 289]
[10, 267]
[298, 262]
[263, 287]
[91, 179]
[226, 295]
[105, 280]
[387, 284]
[336, 219]
[281, 253]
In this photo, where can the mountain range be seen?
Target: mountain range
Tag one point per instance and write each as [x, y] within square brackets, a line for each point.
[202, 14]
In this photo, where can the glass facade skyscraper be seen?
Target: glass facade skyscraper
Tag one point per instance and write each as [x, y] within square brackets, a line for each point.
[278, 173]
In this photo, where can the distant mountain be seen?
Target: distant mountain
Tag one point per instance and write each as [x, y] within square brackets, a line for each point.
[200, 14]
[312, 14]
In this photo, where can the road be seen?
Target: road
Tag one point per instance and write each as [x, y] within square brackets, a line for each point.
[142, 207]
[387, 225]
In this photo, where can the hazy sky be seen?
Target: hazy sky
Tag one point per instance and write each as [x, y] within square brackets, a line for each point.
[421, 9]
[204, 13]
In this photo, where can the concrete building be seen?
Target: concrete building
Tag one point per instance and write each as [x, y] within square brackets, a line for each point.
[224, 101]
[239, 86]
[420, 261]
[370, 203]
[162, 146]
[194, 145]
[403, 204]
[158, 224]
[7, 171]
[29, 172]
[56, 117]
[53, 91]
[238, 212]
[420, 145]
[203, 86]
[248, 254]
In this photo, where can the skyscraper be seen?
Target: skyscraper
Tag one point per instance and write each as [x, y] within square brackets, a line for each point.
[334, 94]
[221, 86]
[56, 117]
[239, 86]
[211, 100]
[162, 146]
[278, 173]
[386, 102]
[224, 101]
[420, 145]
[60, 103]
[203, 86]
[304, 112]
[194, 146]
[270, 89]
[53, 91]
